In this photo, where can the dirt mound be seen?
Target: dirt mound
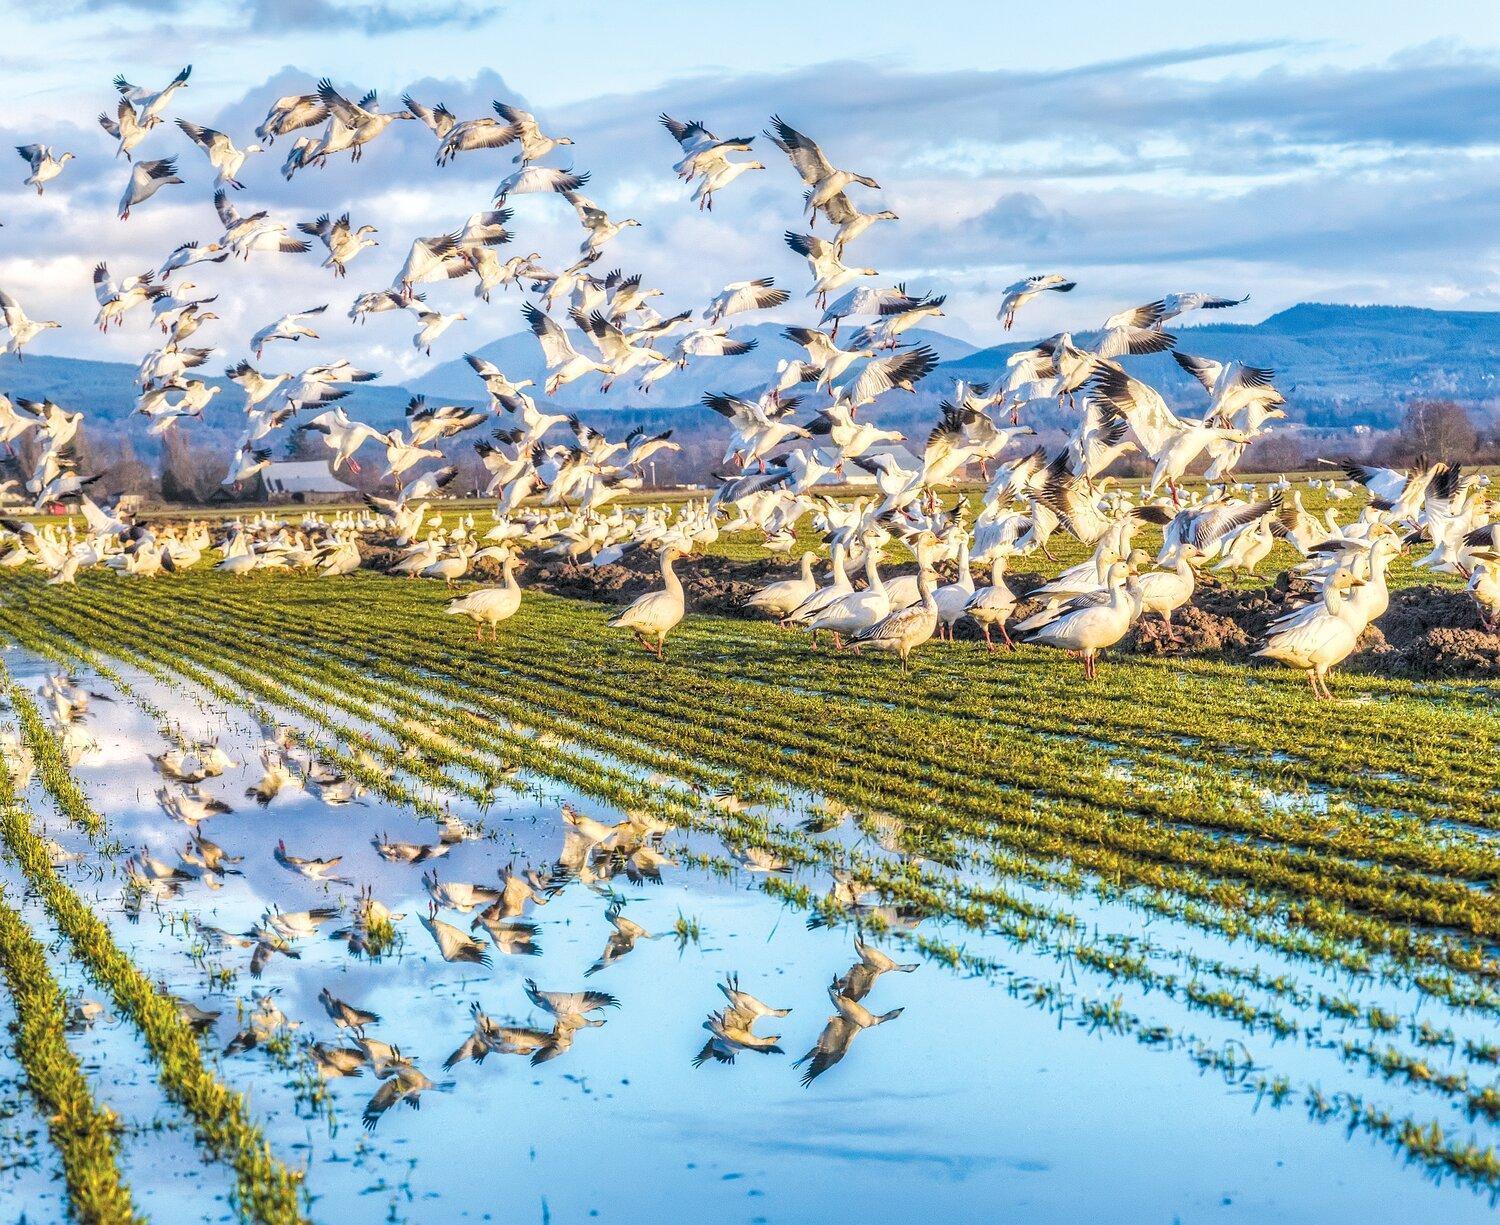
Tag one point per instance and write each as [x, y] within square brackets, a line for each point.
[1426, 631]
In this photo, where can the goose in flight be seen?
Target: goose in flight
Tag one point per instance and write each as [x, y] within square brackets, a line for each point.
[117, 299]
[223, 156]
[1235, 388]
[21, 330]
[850, 221]
[319, 870]
[434, 324]
[524, 128]
[850, 1018]
[627, 933]
[822, 178]
[379, 301]
[1174, 304]
[146, 179]
[253, 232]
[362, 123]
[288, 327]
[291, 114]
[600, 229]
[453, 944]
[572, 1008]
[438, 120]
[343, 436]
[503, 393]
[190, 253]
[342, 240]
[829, 271]
[45, 165]
[899, 372]
[1023, 291]
[531, 180]
[1133, 331]
[126, 128]
[703, 152]
[739, 296]
[150, 105]
[563, 360]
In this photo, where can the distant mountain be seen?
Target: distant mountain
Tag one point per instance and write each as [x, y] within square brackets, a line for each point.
[520, 357]
[1340, 366]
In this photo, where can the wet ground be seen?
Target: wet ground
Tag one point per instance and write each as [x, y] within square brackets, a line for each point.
[974, 1103]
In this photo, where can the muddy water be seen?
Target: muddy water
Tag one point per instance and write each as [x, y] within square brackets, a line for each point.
[969, 1105]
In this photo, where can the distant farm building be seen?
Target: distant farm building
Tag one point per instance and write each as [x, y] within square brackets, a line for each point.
[303, 481]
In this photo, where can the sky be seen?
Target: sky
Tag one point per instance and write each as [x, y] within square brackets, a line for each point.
[1344, 152]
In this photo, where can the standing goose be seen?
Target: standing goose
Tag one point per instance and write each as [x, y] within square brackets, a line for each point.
[953, 598]
[859, 610]
[1484, 587]
[779, 599]
[1318, 636]
[991, 606]
[656, 614]
[491, 605]
[45, 165]
[1088, 623]
[907, 628]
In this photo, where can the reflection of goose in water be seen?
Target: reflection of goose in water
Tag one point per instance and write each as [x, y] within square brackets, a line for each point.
[336, 1061]
[621, 941]
[453, 944]
[406, 1084]
[571, 1006]
[407, 852]
[839, 1033]
[345, 1015]
[732, 1027]
[458, 895]
[311, 869]
[856, 982]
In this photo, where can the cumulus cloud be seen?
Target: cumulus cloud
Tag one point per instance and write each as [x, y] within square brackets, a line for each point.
[1140, 176]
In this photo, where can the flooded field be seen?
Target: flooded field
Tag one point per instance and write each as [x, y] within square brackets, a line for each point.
[1052, 1044]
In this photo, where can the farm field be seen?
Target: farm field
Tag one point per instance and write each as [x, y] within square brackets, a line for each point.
[1185, 910]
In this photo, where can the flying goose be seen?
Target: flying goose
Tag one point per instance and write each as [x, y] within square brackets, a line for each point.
[146, 179]
[1023, 291]
[45, 165]
[621, 941]
[1174, 304]
[148, 104]
[362, 123]
[824, 180]
[288, 327]
[523, 128]
[223, 156]
[290, 114]
[738, 296]
[126, 127]
[344, 1015]
[828, 269]
[342, 240]
[529, 180]
[453, 944]
[571, 1007]
[21, 330]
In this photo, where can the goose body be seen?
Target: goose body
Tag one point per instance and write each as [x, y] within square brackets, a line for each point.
[655, 614]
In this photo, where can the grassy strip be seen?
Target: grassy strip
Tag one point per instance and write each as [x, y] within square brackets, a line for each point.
[82, 1131]
[266, 1191]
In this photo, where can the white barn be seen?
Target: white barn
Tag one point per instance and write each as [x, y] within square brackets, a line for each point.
[303, 481]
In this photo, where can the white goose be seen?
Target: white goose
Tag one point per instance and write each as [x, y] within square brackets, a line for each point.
[45, 165]
[656, 614]
[859, 610]
[1089, 623]
[1319, 636]
[491, 605]
[991, 606]
[780, 598]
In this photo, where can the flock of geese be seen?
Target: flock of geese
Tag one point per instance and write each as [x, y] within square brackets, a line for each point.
[559, 483]
[500, 916]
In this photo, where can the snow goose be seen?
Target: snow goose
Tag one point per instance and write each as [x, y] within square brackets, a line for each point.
[991, 606]
[824, 180]
[288, 327]
[828, 269]
[563, 360]
[656, 614]
[907, 628]
[780, 598]
[1023, 291]
[434, 324]
[362, 121]
[146, 179]
[491, 605]
[1484, 587]
[342, 240]
[126, 128]
[849, 614]
[1318, 636]
[1235, 388]
[21, 330]
[530, 180]
[149, 105]
[953, 598]
[290, 114]
[438, 120]
[1165, 591]
[737, 296]
[45, 165]
[222, 153]
[850, 221]
[1088, 623]
[1174, 304]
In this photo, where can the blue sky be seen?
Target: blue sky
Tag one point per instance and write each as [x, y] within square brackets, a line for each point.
[1333, 151]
